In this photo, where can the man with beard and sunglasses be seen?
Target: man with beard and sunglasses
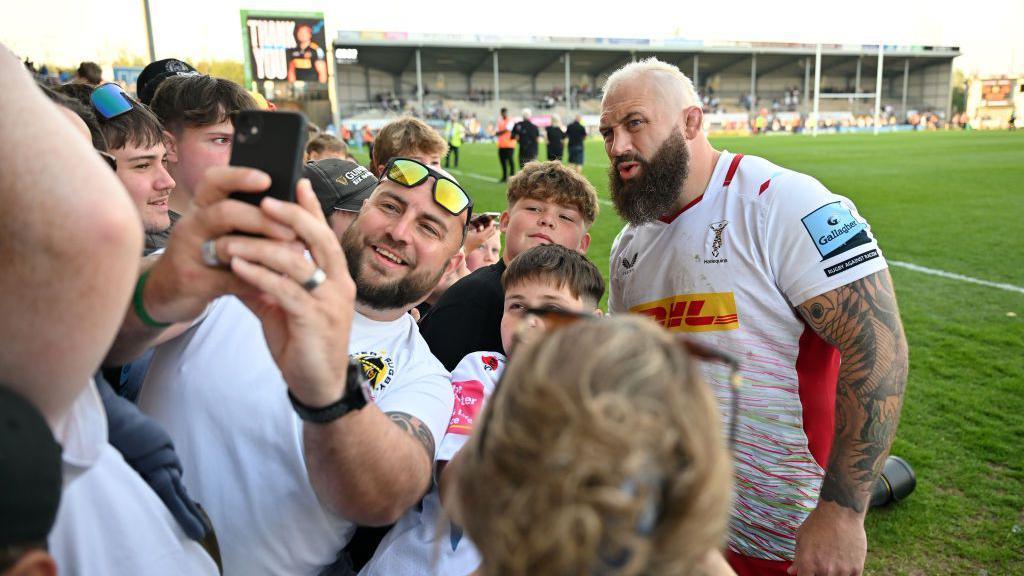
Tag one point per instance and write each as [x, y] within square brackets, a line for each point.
[301, 397]
[769, 265]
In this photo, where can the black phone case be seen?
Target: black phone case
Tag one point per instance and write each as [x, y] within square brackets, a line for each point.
[271, 142]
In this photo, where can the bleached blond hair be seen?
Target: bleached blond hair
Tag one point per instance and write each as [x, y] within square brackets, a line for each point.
[680, 83]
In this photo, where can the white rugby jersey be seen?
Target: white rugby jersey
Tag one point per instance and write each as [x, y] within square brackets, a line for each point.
[729, 269]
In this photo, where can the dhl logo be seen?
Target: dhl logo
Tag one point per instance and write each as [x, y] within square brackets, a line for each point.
[693, 312]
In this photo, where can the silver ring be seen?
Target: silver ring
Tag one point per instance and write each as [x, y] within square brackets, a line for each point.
[318, 278]
[209, 252]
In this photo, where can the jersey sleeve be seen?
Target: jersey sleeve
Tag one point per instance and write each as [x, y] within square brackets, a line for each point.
[424, 392]
[473, 382]
[815, 240]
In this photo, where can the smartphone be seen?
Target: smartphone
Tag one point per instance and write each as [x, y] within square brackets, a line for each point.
[272, 142]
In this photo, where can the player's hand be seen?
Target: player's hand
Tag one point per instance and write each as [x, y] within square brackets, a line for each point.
[831, 542]
[306, 328]
[181, 283]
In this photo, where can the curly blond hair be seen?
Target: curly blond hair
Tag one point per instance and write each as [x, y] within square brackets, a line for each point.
[552, 181]
[600, 453]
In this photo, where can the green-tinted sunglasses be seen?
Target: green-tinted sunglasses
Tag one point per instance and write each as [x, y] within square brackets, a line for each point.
[447, 192]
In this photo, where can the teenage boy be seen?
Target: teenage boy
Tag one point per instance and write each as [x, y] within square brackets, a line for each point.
[196, 112]
[544, 276]
[548, 203]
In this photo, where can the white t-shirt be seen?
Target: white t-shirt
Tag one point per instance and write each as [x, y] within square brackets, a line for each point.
[219, 394]
[110, 521]
[424, 541]
[729, 270]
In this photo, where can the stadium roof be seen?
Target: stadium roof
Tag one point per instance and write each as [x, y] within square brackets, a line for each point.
[395, 52]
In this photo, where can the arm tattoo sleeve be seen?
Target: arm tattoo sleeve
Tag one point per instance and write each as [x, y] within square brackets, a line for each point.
[415, 427]
[862, 320]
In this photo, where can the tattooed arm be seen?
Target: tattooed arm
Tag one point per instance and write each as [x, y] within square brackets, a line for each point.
[862, 321]
[369, 466]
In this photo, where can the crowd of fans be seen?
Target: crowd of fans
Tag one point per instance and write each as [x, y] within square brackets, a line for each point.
[373, 379]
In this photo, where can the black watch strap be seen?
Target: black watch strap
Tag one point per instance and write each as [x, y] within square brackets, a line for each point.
[355, 397]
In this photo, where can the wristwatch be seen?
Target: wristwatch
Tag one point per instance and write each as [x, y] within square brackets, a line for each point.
[357, 395]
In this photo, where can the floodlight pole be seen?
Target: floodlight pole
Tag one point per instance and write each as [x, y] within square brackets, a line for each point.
[497, 79]
[696, 72]
[878, 86]
[817, 88]
[419, 81]
[149, 29]
[906, 78]
[753, 83]
[568, 83]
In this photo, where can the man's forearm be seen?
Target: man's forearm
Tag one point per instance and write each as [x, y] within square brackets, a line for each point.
[862, 320]
[368, 466]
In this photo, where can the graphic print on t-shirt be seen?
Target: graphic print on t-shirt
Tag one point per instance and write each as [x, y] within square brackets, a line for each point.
[379, 369]
[693, 312]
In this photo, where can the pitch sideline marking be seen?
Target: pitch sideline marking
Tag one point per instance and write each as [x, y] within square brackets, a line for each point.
[954, 276]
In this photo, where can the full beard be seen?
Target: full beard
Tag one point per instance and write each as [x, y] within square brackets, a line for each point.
[654, 192]
[396, 294]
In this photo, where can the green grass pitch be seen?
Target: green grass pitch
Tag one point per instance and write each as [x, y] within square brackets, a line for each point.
[947, 201]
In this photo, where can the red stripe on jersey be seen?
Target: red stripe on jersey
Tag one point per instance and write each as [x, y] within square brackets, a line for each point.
[668, 219]
[764, 186]
[732, 170]
[817, 371]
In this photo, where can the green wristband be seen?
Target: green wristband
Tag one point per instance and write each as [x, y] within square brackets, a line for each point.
[140, 310]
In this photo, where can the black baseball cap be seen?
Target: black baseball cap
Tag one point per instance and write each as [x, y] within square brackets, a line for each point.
[30, 472]
[339, 184]
[156, 72]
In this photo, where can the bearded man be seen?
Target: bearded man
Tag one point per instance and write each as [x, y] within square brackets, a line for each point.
[769, 265]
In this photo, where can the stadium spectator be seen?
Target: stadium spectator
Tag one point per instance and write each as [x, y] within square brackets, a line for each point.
[135, 138]
[341, 186]
[527, 133]
[196, 111]
[610, 430]
[547, 204]
[268, 476]
[89, 73]
[488, 253]
[368, 139]
[156, 72]
[30, 484]
[576, 135]
[767, 258]
[454, 131]
[506, 145]
[555, 134]
[407, 137]
[423, 540]
[327, 146]
[92, 257]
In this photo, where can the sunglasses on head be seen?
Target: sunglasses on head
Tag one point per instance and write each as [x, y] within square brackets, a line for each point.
[447, 192]
[110, 101]
[556, 319]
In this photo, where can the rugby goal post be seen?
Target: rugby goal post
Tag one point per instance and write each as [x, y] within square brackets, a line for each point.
[877, 95]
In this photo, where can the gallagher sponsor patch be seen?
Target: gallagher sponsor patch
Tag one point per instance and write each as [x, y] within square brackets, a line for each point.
[834, 230]
[847, 264]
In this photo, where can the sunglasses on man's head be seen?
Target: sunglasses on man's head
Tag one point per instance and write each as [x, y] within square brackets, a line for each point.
[110, 101]
[447, 192]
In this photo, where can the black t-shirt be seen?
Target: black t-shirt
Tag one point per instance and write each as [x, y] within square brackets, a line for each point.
[576, 133]
[555, 136]
[467, 318]
[527, 133]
